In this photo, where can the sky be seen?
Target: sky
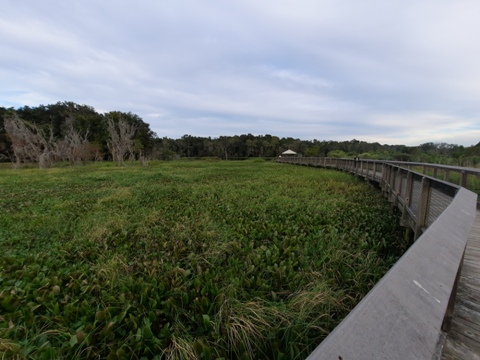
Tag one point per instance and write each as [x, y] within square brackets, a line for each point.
[394, 72]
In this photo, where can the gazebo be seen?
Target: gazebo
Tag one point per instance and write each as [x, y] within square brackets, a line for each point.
[289, 153]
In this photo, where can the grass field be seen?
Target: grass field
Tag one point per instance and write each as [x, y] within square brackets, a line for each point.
[185, 259]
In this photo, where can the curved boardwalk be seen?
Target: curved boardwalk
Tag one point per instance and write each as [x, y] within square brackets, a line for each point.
[400, 318]
[463, 340]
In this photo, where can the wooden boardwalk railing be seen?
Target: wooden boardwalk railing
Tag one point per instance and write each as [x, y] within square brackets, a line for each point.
[406, 314]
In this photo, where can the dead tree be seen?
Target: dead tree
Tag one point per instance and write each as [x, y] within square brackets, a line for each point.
[121, 134]
[75, 146]
[29, 142]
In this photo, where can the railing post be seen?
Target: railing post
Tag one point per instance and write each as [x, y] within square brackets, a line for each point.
[390, 176]
[398, 185]
[385, 174]
[407, 200]
[383, 182]
[391, 182]
[463, 180]
[422, 207]
[382, 167]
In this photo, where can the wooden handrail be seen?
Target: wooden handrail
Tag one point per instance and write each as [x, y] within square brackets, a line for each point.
[402, 317]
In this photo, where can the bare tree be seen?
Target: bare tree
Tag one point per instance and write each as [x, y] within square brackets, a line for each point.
[29, 142]
[75, 146]
[121, 134]
[95, 152]
[136, 151]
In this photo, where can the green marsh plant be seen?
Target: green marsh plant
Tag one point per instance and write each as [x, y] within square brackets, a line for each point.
[185, 259]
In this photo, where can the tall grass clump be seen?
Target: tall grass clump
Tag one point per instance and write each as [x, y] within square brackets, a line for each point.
[185, 260]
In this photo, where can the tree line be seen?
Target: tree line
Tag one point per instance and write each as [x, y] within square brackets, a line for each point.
[67, 131]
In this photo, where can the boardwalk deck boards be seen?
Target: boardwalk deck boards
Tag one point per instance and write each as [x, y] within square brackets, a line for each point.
[463, 340]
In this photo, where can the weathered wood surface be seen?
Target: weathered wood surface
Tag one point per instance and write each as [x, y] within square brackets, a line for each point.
[463, 340]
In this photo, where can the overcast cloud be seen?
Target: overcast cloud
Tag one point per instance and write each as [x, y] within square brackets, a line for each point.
[394, 72]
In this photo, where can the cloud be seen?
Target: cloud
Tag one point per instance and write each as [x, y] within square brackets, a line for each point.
[392, 72]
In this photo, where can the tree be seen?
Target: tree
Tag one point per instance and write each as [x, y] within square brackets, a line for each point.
[29, 142]
[6, 151]
[313, 151]
[75, 146]
[337, 154]
[121, 134]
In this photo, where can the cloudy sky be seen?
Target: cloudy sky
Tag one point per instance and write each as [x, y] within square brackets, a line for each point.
[396, 72]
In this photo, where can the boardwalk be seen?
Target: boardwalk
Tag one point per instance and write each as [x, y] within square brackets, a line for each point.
[402, 317]
[463, 340]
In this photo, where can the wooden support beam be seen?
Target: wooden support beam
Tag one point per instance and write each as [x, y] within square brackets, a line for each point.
[407, 201]
[398, 185]
[422, 207]
[463, 179]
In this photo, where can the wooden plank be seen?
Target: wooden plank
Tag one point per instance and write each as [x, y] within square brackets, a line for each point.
[474, 251]
[469, 275]
[471, 283]
[471, 286]
[471, 267]
[458, 350]
[468, 301]
[472, 345]
[472, 261]
[466, 295]
[467, 316]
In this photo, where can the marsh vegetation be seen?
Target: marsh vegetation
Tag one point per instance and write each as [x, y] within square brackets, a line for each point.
[185, 259]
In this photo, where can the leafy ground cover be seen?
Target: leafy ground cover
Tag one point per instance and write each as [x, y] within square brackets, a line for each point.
[186, 259]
